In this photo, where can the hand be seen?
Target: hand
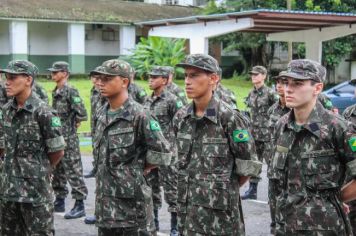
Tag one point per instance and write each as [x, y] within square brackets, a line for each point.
[77, 125]
[346, 208]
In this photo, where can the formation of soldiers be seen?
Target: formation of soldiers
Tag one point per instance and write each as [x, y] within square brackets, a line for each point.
[201, 152]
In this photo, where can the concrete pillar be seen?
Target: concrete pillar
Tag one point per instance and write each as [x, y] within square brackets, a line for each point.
[199, 45]
[18, 40]
[353, 70]
[76, 48]
[127, 39]
[313, 50]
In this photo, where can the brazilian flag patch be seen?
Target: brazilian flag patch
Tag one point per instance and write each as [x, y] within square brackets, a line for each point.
[77, 100]
[240, 136]
[154, 125]
[181, 94]
[179, 104]
[56, 122]
[352, 143]
[328, 104]
[142, 93]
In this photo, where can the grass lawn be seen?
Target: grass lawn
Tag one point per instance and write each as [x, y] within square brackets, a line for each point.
[239, 86]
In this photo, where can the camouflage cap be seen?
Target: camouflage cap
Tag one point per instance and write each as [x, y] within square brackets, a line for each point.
[353, 81]
[59, 66]
[115, 67]
[279, 76]
[258, 70]
[95, 71]
[305, 69]
[170, 69]
[21, 67]
[201, 61]
[159, 71]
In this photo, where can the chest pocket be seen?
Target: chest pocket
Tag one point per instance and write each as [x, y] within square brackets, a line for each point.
[215, 153]
[29, 140]
[121, 145]
[321, 169]
[62, 107]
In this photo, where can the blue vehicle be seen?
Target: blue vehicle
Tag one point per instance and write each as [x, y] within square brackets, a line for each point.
[342, 95]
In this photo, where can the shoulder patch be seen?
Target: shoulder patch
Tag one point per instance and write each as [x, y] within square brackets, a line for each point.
[76, 100]
[56, 122]
[179, 104]
[154, 125]
[352, 143]
[328, 104]
[240, 136]
[142, 93]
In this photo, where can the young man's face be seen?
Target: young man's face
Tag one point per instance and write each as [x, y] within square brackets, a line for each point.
[112, 85]
[16, 84]
[258, 78]
[156, 82]
[198, 82]
[299, 93]
[95, 81]
[280, 87]
[58, 76]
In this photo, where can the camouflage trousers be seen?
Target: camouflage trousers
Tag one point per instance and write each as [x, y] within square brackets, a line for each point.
[135, 231]
[272, 194]
[352, 216]
[70, 169]
[27, 219]
[154, 183]
[260, 147]
[168, 178]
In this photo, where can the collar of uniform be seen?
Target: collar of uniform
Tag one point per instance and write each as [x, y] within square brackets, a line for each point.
[163, 95]
[210, 112]
[126, 110]
[314, 120]
[259, 90]
[29, 105]
[61, 90]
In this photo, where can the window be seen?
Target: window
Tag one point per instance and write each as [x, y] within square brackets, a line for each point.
[171, 2]
[110, 35]
[89, 34]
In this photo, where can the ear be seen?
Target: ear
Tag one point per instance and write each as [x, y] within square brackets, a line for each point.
[318, 88]
[29, 81]
[214, 79]
[126, 82]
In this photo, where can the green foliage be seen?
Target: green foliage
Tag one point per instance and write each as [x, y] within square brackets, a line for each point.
[156, 51]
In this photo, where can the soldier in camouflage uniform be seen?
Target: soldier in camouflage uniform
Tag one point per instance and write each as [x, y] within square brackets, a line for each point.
[40, 91]
[350, 115]
[30, 137]
[164, 105]
[96, 101]
[174, 88]
[258, 101]
[275, 112]
[3, 97]
[130, 143]
[216, 155]
[136, 92]
[313, 150]
[70, 107]
[224, 93]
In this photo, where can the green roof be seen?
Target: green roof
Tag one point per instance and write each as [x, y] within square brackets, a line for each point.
[91, 11]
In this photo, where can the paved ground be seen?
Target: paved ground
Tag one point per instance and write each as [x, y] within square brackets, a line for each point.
[256, 213]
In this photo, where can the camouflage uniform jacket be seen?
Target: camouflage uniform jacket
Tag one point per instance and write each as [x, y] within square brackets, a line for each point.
[176, 90]
[96, 101]
[213, 151]
[137, 93]
[3, 97]
[132, 139]
[275, 112]
[28, 134]
[259, 101]
[350, 114]
[39, 90]
[164, 107]
[309, 164]
[226, 95]
[70, 108]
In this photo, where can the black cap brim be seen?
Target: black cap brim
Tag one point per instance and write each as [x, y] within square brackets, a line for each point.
[8, 71]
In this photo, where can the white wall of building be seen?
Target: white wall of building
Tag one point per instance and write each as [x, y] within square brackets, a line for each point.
[95, 45]
[47, 38]
[4, 38]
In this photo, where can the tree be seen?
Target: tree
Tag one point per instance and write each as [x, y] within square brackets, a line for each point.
[153, 51]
